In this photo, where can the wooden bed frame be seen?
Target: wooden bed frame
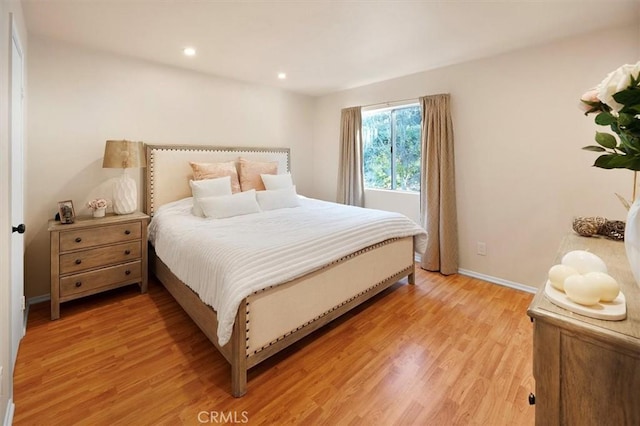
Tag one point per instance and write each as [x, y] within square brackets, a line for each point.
[262, 327]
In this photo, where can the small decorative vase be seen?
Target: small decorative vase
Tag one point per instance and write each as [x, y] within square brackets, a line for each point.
[632, 239]
[99, 212]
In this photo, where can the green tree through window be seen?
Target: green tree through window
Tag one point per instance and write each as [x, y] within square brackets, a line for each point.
[391, 140]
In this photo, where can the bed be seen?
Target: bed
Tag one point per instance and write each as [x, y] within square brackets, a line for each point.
[269, 313]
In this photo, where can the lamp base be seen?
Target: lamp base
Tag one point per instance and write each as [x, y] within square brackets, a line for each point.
[125, 195]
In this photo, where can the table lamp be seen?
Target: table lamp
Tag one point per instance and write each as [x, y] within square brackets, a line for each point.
[126, 155]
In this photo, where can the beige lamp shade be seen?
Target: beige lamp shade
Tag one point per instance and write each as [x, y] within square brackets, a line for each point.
[123, 154]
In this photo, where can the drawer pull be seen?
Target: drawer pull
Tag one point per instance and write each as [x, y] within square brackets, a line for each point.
[127, 232]
[78, 261]
[127, 252]
[78, 283]
[78, 240]
[127, 272]
[532, 399]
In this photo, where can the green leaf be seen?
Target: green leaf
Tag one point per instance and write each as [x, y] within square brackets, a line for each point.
[629, 144]
[625, 119]
[606, 140]
[615, 127]
[628, 96]
[604, 160]
[635, 164]
[605, 118]
[614, 161]
[621, 162]
[593, 148]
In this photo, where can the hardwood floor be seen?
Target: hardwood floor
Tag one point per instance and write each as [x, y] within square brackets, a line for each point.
[449, 350]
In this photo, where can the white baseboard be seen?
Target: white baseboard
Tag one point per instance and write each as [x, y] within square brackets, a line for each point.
[489, 278]
[38, 299]
[8, 413]
[499, 281]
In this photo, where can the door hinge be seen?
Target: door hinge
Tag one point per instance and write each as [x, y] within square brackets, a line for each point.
[23, 302]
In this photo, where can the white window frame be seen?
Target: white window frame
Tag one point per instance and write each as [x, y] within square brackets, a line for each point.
[377, 109]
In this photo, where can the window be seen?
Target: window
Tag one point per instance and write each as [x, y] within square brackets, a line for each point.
[391, 138]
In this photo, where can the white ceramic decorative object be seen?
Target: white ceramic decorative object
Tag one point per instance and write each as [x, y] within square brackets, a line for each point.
[584, 261]
[99, 212]
[615, 310]
[559, 273]
[125, 195]
[609, 287]
[632, 239]
[581, 291]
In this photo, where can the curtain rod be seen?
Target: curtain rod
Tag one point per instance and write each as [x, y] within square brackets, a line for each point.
[389, 103]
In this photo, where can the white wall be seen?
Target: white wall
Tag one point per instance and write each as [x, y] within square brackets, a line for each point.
[6, 382]
[405, 202]
[520, 173]
[81, 98]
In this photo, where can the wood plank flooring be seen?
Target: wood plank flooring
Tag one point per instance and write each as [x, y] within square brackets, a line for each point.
[447, 351]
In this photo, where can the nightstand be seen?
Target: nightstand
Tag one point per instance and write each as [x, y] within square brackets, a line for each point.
[93, 255]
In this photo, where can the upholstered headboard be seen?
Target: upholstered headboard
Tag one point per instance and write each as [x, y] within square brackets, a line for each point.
[168, 171]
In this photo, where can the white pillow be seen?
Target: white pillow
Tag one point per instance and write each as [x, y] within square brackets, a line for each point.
[278, 198]
[230, 205]
[277, 181]
[208, 188]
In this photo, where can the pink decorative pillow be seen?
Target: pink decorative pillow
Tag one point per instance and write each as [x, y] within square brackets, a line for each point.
[250, 172]
[203, 171]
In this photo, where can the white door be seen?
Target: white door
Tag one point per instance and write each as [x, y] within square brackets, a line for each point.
[17, 196]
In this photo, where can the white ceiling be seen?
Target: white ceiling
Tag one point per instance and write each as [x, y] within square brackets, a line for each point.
[322, 45]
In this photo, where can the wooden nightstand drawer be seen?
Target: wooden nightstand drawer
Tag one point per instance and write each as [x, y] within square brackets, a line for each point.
[95, 258]
[88, 281]
[85, 238]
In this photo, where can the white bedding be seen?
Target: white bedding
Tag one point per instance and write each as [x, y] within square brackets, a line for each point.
[226, 260]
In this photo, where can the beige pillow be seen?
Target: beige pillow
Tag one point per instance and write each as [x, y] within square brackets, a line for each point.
[203, 171]
[250, 172]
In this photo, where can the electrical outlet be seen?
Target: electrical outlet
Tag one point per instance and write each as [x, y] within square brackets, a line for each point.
[482, 249]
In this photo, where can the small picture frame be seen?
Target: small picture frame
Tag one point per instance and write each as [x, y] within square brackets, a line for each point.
[66, 212]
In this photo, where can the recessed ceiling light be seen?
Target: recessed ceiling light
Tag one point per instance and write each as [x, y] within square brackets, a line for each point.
[282, 75]
[189, 51]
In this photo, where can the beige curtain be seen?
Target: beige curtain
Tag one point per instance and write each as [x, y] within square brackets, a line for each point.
[438, 190]
[350, 180]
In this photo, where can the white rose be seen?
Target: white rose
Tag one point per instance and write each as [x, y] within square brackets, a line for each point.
[615, 82]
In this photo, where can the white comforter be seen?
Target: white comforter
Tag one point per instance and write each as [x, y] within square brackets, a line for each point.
[225, 260]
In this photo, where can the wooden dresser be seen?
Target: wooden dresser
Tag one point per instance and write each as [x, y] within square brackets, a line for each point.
[587, 371]
[94, 255]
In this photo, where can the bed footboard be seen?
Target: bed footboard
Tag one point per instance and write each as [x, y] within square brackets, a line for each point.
[270, 320]
[279, 311]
